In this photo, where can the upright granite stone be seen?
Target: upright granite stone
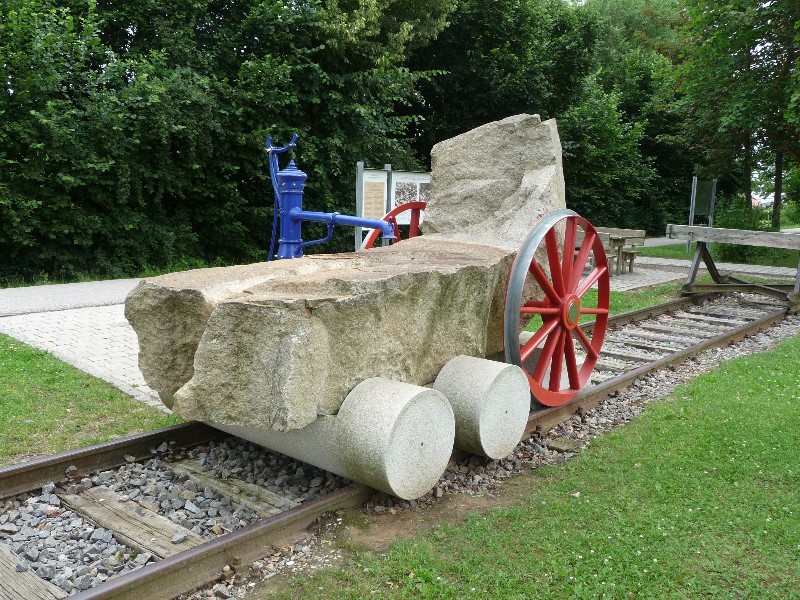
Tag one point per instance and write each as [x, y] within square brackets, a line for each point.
[273, 346]
[490, 185]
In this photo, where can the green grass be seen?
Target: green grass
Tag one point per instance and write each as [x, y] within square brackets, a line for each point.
[698, 497]
[676, 251]
[620, 302]
[47, 406]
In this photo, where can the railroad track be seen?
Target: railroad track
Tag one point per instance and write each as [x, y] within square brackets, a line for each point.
[122, 538]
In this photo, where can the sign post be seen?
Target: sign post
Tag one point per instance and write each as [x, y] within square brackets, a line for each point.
[704, 193]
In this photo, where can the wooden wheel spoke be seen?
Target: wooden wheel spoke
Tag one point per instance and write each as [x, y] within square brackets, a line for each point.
[544, 282]
[580, 262]
[556, 365]
[546, 357]
[586, 343]
[570, 235]
[537, 338]
[554, 261]
[590, 280]
[572, 363]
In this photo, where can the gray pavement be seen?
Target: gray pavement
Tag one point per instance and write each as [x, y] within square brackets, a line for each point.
[47, 298]
[84, 323]
[680, 265]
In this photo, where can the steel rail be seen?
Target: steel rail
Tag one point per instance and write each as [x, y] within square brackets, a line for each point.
[651, 311]
[30, 475]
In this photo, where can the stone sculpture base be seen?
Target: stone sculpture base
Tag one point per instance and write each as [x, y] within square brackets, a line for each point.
[392, 436]
[272, 351]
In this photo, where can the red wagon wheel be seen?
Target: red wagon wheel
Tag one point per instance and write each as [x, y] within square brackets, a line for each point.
[416, 209]
[550, 352]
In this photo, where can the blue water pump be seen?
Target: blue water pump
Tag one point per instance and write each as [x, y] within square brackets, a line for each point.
[288, 185]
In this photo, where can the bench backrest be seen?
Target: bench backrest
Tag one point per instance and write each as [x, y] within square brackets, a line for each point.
[605, 237]
[632, 237]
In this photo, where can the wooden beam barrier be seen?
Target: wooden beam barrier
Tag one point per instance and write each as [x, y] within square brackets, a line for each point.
[743, 237]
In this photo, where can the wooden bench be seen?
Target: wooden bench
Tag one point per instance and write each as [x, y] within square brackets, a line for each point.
[623, 244]
[705, 235]
[620, 246]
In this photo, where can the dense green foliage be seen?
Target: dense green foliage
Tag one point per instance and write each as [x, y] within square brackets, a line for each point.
[739, 81]
[132, 133]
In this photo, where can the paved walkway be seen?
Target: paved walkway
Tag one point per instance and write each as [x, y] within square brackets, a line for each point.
[84, 323]
[682, 266]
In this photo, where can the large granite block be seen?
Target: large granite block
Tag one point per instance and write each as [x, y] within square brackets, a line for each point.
[289, 347]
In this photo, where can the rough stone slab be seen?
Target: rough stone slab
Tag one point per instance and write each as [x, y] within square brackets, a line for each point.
[490, 185]
[280, 354]
[169, 315]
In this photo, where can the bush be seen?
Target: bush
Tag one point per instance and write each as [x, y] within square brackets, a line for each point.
[733, 212]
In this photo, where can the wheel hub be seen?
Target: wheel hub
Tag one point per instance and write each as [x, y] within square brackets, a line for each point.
[570, 311]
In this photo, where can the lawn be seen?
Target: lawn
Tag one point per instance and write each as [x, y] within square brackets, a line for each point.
[698, 497]
[47, 406]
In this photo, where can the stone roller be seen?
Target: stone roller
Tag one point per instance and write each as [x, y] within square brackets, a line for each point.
[490, 401]
[398, 438]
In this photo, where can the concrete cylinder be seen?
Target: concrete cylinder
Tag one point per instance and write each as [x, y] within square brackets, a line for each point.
[392, 436]
[490, 401]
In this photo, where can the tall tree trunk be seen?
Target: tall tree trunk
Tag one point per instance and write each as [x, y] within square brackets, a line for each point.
[776, 205]
[748, 171]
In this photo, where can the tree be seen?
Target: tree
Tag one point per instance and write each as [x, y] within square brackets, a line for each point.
[636, 53]
[500, 58]
[738, 79]
[605, 174]
[133, 132]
